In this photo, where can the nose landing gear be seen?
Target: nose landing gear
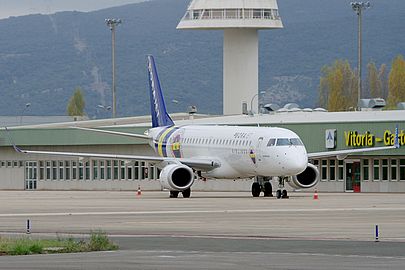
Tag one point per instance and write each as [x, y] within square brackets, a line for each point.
[175, 194]
[281, 193]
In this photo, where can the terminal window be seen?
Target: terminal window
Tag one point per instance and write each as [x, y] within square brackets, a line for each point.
[385, 169]
[366, 169]
[376, 174]
[394, 164]
[341, 170]
[332, 170]
[402, 169]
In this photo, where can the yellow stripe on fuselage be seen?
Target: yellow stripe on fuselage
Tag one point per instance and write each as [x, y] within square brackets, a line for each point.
[161, 139]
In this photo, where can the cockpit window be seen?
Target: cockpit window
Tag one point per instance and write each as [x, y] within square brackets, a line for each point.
[272, 142]
[292, 141]
[281, 142]
[296, 141]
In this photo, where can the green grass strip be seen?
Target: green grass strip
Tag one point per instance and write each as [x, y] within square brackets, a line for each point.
[98, 241]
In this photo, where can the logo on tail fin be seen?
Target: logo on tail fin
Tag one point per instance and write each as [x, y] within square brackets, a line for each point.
[160, 117]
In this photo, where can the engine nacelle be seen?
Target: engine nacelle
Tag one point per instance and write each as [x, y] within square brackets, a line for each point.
[306, 179]
[177, 177]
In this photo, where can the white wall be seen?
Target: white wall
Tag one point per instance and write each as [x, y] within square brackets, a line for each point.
[241, 69]
[12, 179]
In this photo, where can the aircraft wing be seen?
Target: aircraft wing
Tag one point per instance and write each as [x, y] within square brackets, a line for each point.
[343, 153]
[196, 163]
[124, 134]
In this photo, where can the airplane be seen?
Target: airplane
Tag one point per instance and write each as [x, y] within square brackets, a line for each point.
[221, 152]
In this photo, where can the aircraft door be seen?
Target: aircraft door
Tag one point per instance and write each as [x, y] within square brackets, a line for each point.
[259, 153]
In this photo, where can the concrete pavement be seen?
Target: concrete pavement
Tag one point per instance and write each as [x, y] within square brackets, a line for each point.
[212, 230]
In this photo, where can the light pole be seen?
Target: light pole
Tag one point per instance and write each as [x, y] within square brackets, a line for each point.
[112, 24]
[358, 7]
[251, 101]
[104, 108]
[176, 102]
[27, 105]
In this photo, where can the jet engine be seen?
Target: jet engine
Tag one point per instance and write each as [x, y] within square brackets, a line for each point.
[177, 177]
[306, 179]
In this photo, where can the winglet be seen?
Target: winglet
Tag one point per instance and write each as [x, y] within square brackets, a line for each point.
[18, 150]
[396, 143]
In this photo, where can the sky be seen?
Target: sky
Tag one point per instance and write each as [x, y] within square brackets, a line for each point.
[24, 7]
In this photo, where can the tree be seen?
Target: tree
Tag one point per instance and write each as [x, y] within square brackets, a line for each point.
[76, 104]
[374, 85]
[337, 89]
[383, 75]
[377, 81]
[396, 82]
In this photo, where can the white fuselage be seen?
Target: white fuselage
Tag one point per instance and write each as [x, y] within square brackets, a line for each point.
[241, 151]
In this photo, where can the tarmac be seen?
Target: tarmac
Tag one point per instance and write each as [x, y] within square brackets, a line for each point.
[211, 230]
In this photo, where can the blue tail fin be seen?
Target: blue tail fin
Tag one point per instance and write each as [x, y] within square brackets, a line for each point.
[160, 117]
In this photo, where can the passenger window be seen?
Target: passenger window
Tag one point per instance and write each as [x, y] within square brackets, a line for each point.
[272, 142]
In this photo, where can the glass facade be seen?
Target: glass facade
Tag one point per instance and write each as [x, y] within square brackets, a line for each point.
[64, 170]
[384, 169]
[232, 13]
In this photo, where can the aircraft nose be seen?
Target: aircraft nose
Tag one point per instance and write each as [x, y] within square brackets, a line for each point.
[298, 162]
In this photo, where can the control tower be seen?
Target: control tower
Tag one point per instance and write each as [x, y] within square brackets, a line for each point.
[240, 20]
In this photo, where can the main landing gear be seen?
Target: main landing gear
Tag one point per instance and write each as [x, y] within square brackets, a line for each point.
[262, 184]
[175, 194]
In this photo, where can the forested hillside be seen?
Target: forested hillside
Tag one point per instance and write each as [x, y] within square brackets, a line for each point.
[43, 58]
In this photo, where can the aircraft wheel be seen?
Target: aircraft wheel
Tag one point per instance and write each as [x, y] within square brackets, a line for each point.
[268, 189]
[174, 194]
[186, 193]
[284, 194]
[256, 189]
[278, 194]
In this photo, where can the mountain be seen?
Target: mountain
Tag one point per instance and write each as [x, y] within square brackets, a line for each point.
[43, 58]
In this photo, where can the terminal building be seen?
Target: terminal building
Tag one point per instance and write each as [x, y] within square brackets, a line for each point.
[382, 171]
[320, 131]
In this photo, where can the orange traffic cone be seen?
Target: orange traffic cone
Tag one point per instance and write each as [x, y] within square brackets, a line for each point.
[316, 197]
[139, 193]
